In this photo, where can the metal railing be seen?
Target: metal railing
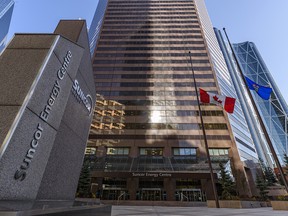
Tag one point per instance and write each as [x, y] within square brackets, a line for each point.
[119, 197]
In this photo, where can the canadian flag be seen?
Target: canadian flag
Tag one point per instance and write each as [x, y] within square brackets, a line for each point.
[227, 103]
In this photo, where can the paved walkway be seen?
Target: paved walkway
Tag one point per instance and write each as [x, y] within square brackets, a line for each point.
[199, 211]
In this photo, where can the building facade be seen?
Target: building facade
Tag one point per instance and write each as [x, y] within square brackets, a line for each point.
[241, 132]
[6, 10]
[153, 149]
[272, 111]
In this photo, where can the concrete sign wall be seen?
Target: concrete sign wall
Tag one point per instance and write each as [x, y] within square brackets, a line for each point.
[46, 108]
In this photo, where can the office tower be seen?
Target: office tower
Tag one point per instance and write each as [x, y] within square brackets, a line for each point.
[142, 62]
[6, 9]
[238, 122]
[272, 111]
[96, 24]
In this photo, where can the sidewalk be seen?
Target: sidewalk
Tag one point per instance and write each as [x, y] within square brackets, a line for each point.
[197, 211]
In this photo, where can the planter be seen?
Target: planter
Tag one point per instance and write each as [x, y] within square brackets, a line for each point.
[279, 205]
[235, 204]
[277, 190]
[265, 204]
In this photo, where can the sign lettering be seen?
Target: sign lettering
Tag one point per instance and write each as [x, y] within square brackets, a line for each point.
[151, 174]
[80, 96]
[21, 173]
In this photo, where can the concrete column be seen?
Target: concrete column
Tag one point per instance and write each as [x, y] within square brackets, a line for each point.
[241, 179]
[207, 188]
[170, 187]
[132, 185]
[251, 181]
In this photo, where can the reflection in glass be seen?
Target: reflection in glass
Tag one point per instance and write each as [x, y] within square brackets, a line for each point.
[155, 116]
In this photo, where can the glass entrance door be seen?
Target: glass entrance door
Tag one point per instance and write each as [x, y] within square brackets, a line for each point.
[194, 195]
[115, 194]
[150, 189]
[152, 194]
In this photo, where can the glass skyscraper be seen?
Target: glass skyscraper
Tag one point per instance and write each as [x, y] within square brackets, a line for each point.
[146, 141]
[259, 140]
[6, 9]
[272, 111]
[96, 24]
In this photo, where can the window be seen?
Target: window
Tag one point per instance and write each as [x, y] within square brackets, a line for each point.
[152, 76]
[148, 13]
[218, 152]
[151, 17]
[184, 151]
[90, 151]
[157, 102]
[176, 137]
[151, 151]
[118, 151]
[214, 126]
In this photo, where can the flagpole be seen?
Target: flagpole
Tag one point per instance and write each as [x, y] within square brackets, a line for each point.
[260, 119]
[205, 138]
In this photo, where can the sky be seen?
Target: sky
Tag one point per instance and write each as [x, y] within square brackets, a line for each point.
[263, 22]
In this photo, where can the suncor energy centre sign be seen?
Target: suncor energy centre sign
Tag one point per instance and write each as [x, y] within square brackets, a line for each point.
[46, 107]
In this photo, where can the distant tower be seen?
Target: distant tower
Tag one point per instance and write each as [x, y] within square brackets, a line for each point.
[96, 24]
[252, 123]
[6, 9]
[274, 110]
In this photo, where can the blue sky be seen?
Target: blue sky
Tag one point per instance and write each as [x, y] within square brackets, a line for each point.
[262, 21]
[42, 16]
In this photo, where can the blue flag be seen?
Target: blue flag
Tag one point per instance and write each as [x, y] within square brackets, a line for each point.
[262, 91]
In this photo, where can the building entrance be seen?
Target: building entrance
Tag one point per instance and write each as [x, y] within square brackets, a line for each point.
[190, 195]
[115, 194]
[153, 194]
[114, 189]
[151, 190]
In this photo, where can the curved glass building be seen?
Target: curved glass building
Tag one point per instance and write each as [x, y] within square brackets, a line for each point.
[274, 110]
[6, 10]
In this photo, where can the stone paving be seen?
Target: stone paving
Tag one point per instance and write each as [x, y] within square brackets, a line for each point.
[199, 211]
